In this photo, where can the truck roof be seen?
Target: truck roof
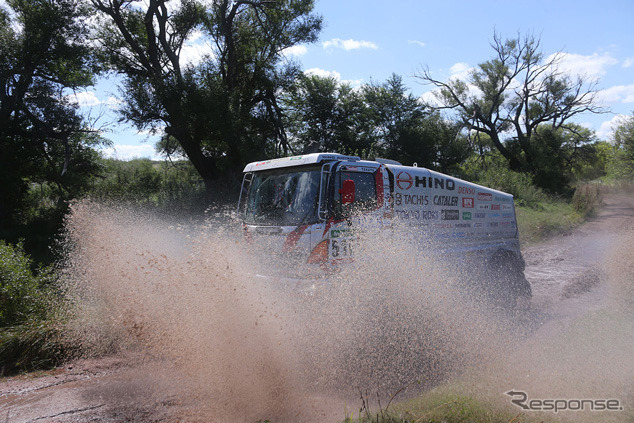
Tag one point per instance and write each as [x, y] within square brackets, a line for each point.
[395, 167]
[305, 159]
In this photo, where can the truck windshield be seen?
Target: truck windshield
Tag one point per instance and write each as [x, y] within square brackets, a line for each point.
[283, 197]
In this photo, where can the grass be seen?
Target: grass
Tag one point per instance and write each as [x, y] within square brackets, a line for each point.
[31, 346]
[552, 216]
[547, 219]
[445, 404]
[31, 305]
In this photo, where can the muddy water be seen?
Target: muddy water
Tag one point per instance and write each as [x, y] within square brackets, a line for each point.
[193, 336]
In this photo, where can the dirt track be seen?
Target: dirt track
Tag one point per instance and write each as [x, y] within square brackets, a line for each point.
[567, 277]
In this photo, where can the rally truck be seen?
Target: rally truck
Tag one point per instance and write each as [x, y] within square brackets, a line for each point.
[307, 206]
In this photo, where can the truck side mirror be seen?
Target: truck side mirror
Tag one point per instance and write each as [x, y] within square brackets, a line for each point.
[347, 192]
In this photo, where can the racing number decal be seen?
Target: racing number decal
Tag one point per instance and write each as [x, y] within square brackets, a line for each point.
[341, 244]
[341, 248]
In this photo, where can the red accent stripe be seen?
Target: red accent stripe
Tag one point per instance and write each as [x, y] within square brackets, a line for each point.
[378, 177]
[293, 237]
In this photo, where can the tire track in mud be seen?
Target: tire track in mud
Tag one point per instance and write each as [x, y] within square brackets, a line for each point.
[567, 274]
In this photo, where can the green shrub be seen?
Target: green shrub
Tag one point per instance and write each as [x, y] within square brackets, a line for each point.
[519, 184]
[586, 198]
[23, 293]
[31, 346]
[30, 307]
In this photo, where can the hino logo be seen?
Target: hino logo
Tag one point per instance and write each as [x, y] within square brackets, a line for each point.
[432, 182]
[404, 180]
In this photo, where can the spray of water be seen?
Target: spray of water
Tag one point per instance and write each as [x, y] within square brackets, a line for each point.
[228, 346]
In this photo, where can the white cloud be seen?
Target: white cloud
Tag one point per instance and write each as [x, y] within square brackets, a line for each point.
[628, 63]
[129, 152]
[430, 98]
[460, 71]
[323, 73]
[606, 129]
[333, 74]
[113, 102]
[296, 51]
[618, 94]
[84, 99]
[594, 65]
[195, 49]
[349, 44]
[416, 42]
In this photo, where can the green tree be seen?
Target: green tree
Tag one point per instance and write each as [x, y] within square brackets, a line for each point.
[43, 139]
[621, 164]
[623, 136]
[514, 96]
[407, 131]
[322, 114]
[172, 186]
[222, 111]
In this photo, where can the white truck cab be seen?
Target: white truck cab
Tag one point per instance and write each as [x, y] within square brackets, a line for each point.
[306, 207]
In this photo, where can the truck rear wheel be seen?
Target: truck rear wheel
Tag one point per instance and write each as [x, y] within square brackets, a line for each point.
[506, 284]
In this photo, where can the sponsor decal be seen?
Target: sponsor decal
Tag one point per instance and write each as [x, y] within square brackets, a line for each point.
[507, 207]
[493, 224]
[484, 207]
[407, 214]
[341, 248]
[507, 215]
[433, 182]
[430, 215]
[466, 215]
[404, 180]
[449, 215]
[479, 215]
[416, 200]
[495, 207]
[502, 199]
[494, 214]
[478, 225]
[338, 233]
[485, 196]
[445, 200]
[418, 214]
[442, 225]
[505, 223]
[463, 225]
[445, 235]
[468, 203]
[466, 190]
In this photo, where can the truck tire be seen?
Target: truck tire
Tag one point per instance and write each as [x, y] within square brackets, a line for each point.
[507, 286]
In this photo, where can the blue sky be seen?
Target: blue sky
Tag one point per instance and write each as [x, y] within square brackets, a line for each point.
[368, 40]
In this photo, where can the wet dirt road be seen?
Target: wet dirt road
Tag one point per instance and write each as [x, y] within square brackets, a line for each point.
[567, 275]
